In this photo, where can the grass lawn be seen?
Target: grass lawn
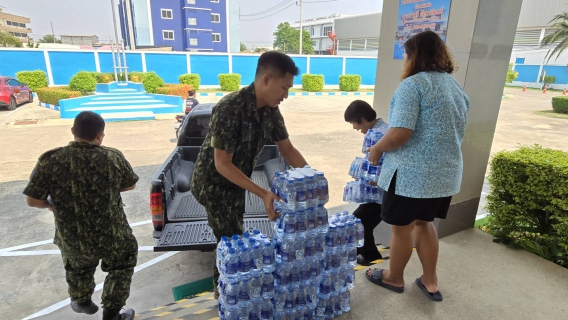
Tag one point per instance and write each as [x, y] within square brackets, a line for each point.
[479, 223]
[215, 90]
[551, 114]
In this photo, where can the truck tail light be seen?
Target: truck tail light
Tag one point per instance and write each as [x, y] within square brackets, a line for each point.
[157, 210]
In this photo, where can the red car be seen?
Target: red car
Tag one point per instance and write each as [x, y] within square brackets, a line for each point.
[13, 93]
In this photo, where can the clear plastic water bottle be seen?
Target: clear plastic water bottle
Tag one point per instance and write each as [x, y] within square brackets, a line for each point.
[235, 241]
[312, 193]
[323, 191]
[323, 220]
[301, 197]
[351, 254]
[310, 251]
[282, 275]
[255, 310]
[346, 301]
[256, 234]
[289, 222]
[287, 250]
[320, 246]
[280, 300]
[244, 293]
[301, 224]
[267, 285]
[300, 251]
[338, 311]
[360, 232]
[320, 309]
[350, 280]
[372, 172]
[330, 309]
[290, 194]
[312, 296]
[290, 301]
[301, 301]
[325, 286]
[315, 272]
[342, 278]
[256, 284]
[305, 274]
[311, 222]
[309, 313]
[294, 277]
[268, 257]
[231, 313]
[256, 256]
[246, 240]
[244, 264]
[221, 252]
[243, 311]
[232, 266]
[341, 237]
[266, 311]
[232, 291]
[331, 239]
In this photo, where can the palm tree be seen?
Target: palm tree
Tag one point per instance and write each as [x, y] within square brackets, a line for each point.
[559, 37]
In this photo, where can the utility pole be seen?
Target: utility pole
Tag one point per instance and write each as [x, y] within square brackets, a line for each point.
[116, 35]
[52, 33]
[301, 27]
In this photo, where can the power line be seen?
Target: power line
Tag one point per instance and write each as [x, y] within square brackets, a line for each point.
[267, 10]
[293, 4]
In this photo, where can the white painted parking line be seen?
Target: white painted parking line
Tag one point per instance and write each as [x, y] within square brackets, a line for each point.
[99, 286]
[9, 113]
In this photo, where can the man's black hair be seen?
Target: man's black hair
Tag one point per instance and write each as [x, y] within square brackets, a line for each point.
[88, 125]
[278, 62]
[358, 110]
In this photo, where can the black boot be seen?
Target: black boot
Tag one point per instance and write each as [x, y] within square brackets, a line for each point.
[88, 307]
[115, 314]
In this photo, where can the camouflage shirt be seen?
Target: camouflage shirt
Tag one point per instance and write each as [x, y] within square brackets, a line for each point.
[84, 182]
[237, 127]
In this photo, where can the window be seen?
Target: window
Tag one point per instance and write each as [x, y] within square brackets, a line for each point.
[13, 83]
[326, 30]
[520, 61]
[215, 18]
[314, 43]
[192, 21]
[168, 34]
[24, 35]
[215, 1]
[167, 14]
[313, 31]
[192, 42]
[17, 34]
[190, 1]
[9, 23]
[23, 25]
[216, 37]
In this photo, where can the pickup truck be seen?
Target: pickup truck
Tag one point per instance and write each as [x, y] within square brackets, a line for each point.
[180, 222]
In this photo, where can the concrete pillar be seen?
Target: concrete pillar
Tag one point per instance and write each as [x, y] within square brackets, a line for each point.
[480, 37]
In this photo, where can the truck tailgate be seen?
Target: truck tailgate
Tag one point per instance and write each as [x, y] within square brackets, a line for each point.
[197, 235]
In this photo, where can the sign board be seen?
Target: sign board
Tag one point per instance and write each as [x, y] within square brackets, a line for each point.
[415, 16]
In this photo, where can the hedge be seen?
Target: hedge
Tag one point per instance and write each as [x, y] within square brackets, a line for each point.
[103, 77]
[175, 90]
[349, 82]
[230, 82]
[136, 76]
[190, 78]
[528, 202]
[83, 81]
[54, 94]
[33, 79]
[312, 82]
[151, 82]
[560, 104]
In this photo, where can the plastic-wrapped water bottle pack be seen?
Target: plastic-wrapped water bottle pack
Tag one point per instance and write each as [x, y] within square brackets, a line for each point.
[305, 270]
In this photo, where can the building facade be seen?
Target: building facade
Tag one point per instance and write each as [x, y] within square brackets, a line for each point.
[80, 40]
[15, 25]
[183, 25]
[321, 31]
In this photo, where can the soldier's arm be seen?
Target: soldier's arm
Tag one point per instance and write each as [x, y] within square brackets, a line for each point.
[37, 189]
[128, 178]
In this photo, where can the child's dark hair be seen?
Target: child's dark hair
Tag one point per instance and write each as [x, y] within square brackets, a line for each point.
[358, 110]
[191, 93]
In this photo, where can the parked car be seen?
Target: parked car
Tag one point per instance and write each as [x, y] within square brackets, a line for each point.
[14, 93]
[180, 222]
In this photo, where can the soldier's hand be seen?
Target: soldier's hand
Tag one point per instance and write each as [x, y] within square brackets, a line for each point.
[268, 199]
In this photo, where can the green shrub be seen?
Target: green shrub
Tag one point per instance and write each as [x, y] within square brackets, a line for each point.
[312, 82]
[175, 90]
[54, 94]
[511, 74]
[528, 202]
[548, 79]
[83, 81]
[190, 78]
[349, 82]
[152, 81]
[230, 82]
[560, 104]
[136, 76]
[33, 79]
[103, 77]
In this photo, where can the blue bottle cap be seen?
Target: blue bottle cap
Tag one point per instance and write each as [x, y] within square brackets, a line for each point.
[246, 235]
[267, 243]
[244, 249]
[320, 205]
[341, 225]
[300, 179]
[229, 245]
[358, 220]
[235, 237]
[350, 223]
[232, 251]
[224, 238]
[240, 243]
[289, 179]
[319, 174]
[256, 231]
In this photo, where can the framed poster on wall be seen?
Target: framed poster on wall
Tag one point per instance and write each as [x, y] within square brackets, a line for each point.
[415, 16]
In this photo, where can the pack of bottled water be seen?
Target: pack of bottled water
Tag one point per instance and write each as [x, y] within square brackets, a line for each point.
[305, 270]
[371, 137]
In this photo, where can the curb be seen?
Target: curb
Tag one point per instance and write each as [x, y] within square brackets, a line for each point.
[297, 94]
[48, 106]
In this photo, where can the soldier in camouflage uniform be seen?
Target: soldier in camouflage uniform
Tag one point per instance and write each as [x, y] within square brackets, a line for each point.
[241, 124]
[81, 183]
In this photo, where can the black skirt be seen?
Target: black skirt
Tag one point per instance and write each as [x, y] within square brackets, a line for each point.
[402, 211]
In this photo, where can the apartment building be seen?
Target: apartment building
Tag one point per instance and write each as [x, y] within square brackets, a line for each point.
[15, 25]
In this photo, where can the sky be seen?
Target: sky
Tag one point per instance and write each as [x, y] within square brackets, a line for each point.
[90, 17]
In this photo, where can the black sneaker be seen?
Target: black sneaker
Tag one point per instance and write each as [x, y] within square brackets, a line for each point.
[115, 314]
[127, 314]
[88, 307]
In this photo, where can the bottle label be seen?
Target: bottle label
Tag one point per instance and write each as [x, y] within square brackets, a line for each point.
[267, 287]
[313, 298]
[310, 251]
[257, 263]
[232, 299]
[372, 170]
[329, 310]
[300, 254]
[300, 226]
[285, 279]
[311, 223]
[244, 266]
[253, 316]
[290, 197]
[306, 274]
[266, 314]
[268, 259]
[294, 277]
[325, 220]
[301, 196]
[352, 255]
[290, 304]
[301, 301]
[335, 262]
[360, 235]
[255, 292]
[320, 221]
[324, 289]
[244, 296]
[231, 268]
[331, 241]
[289, 227]
[344, 259]
[309, 194]
[315, 271]
[288, 256]
[243, 318]
[352, 238]
[320, 312]
[280, 306]
[323, 192]
[308, 316]
[338, 305]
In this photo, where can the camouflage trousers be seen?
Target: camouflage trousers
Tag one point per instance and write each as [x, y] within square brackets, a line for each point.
[225, 221]
[80, 271]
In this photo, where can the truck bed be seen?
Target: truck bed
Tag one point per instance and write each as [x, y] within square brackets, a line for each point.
[185, 225]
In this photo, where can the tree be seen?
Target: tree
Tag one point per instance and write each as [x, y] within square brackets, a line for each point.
[559, 37]
[286, 39]
[8, 40]
[511, 74]
[49, 39]
[243, 47]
